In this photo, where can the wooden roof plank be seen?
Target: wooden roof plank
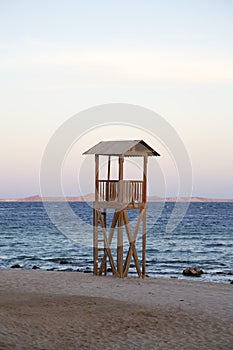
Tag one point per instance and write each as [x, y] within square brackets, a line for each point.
[128, 148]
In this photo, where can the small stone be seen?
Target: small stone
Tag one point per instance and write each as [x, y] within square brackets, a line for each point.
[16, 266]
[231, 282]
[35, 267]
[193, 271]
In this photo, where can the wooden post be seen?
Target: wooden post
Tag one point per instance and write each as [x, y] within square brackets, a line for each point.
[96, 178]
[132, 241]
[109, 167]
[120, 179]
[95, 241]
[108, 179]
[120, 245]
[95, 217]
[144, 199]
[120, 221]
[144, 179]
[144, 244]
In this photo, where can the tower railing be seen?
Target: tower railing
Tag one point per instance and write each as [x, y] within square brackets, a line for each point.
[109, 191]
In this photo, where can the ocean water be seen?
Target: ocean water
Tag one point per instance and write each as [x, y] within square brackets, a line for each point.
[203, 238]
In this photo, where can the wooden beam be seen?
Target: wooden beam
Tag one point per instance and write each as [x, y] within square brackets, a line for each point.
[131, 252]
[107, 247]
[132, 240]
[144, 199]
[134, 153]
[120, 220]
[114, 222]
[145, 158]
[144, 244]
[110, 237]
[96, 178]
[95, 241]
[108, 179]
[109, 168]
[120, 178]
[105, 225]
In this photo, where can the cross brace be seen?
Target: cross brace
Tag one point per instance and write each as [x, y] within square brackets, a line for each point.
[107, 240]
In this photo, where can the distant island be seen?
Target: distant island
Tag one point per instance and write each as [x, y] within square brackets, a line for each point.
[90, 197]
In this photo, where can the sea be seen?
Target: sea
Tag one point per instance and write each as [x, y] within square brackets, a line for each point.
[29, 239]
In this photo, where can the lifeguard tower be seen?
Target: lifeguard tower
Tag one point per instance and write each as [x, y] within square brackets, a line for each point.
[115, 197]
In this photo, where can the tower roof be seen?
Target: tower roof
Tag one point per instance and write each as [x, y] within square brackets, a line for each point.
[130, 148]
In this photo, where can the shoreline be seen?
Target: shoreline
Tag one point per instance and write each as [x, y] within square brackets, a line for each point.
[50, 310]
[89, 271]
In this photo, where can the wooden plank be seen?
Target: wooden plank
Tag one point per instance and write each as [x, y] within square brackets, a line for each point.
[109, 168]
[135, 154]
[130, 239]
[132, 243]
[110, 237]
[127, 262]
[96, 178]
[135, 255]
[108, 178]
[95, 242]
[114, 222]
[144, 179]
[138, 224]
[108, 250]
[144, 244]
[132, 249]
[105, 223]
[106, 245]
[120, 184]
[133, 181]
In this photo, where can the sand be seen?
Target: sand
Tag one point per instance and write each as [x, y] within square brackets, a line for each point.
[64, 310]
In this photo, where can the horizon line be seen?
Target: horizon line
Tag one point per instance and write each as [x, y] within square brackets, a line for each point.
[89, 197]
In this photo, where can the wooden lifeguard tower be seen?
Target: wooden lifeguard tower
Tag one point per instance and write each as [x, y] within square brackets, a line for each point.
[119, 196]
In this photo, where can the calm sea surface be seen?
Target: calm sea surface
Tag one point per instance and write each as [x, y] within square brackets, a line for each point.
[203, 238]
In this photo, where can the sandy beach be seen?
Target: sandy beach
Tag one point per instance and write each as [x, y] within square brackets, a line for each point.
[62, 310]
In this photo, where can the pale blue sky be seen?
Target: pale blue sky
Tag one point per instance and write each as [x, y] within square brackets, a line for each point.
[60, 57]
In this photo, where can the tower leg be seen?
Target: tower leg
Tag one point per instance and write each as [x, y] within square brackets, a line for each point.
[95, 241]
[104, 260]
[144, 244]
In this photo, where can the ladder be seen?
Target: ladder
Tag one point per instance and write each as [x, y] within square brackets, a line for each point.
[101, 249]
[102, 242]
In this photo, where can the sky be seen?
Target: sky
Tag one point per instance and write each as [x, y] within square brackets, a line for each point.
[58, 58]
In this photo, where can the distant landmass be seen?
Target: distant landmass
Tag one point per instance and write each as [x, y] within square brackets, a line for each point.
[90, 197]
